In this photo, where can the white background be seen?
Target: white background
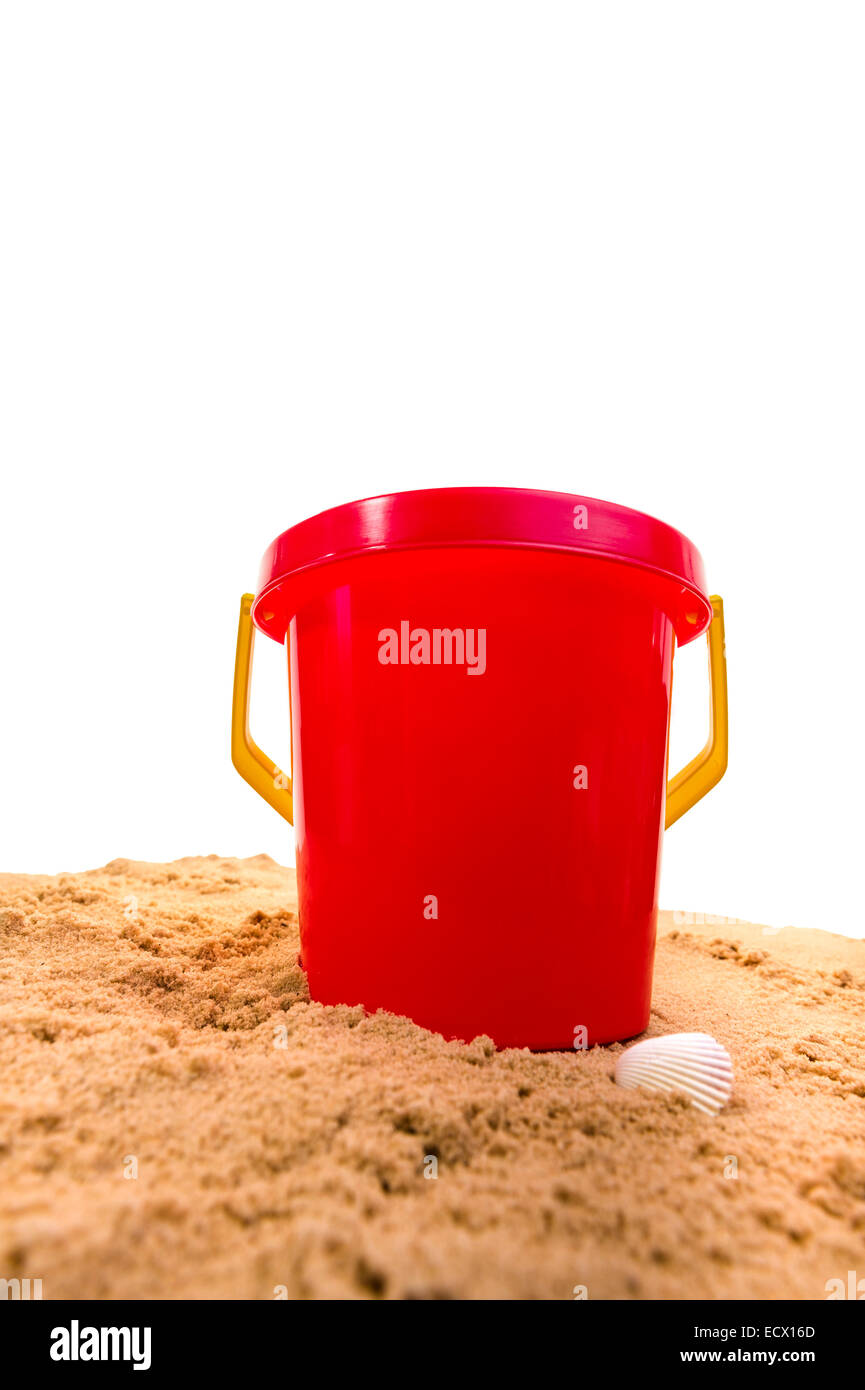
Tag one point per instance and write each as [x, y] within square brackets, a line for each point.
[261, 259]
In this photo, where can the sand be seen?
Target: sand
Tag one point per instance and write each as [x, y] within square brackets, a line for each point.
[177, 1120]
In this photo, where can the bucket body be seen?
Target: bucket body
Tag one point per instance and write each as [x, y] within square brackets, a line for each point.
[479, 848]
[480, 686]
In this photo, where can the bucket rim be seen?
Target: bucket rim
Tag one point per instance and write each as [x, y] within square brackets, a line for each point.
[484, 517]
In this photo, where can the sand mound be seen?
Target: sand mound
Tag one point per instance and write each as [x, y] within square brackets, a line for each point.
[153, 1020]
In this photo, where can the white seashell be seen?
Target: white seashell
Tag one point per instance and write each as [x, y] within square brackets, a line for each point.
[693, 1063]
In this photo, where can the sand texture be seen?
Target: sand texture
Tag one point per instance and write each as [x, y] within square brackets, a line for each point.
[154, 1017]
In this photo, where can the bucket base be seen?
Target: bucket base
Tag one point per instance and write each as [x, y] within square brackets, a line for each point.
[561, 1038]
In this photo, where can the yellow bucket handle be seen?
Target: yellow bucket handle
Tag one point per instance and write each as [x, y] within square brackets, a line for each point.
[262, 774]
[683, 791]
[710, 764]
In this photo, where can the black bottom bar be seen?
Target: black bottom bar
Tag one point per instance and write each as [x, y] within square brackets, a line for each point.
[225, 1340]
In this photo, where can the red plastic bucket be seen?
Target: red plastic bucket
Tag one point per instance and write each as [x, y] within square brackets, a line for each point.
[480, 699]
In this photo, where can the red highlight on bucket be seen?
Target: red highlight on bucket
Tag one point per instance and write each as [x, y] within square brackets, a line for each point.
[527, 807]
